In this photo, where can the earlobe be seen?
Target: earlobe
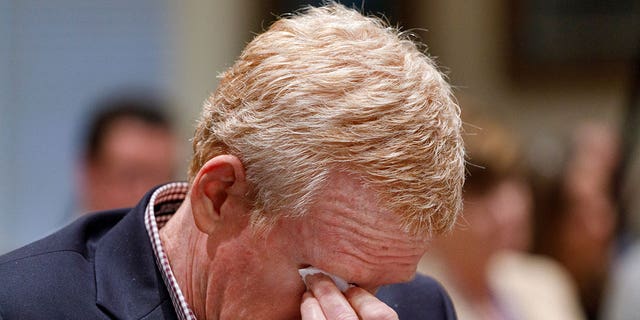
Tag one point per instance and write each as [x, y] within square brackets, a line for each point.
[219, 180]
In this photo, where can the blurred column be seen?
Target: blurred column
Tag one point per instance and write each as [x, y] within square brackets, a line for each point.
[207, 37]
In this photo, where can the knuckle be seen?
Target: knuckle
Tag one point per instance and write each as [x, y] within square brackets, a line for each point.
[346, 316]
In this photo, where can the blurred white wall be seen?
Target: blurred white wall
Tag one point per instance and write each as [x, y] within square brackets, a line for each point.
[5, 137]
[57, 57]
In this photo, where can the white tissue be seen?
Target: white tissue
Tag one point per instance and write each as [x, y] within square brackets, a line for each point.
[340, 283]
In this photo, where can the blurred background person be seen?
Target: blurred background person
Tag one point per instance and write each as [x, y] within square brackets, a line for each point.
[484, 262]
[576, 211]
[130, 146]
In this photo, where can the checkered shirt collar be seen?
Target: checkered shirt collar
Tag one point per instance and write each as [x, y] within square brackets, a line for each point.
[163, 204]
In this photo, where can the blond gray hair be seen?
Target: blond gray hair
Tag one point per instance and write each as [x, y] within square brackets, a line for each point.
[329, 88]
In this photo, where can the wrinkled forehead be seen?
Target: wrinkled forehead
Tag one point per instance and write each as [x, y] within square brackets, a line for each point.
[349, 202]
[348, 233]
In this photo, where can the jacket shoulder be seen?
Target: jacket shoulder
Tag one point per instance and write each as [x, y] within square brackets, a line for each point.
[54, 275]
[421, 298]
[80, 236]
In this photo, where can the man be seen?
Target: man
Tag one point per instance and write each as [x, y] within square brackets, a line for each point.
[129, 148]
[332, 142]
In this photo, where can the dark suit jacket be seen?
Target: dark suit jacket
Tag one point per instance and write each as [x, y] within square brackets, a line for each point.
[102, 267]
[421, 298]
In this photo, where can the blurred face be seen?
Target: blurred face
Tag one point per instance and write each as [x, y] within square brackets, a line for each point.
[481, 230]
[135, 157]
[477, 237]
[494, 219]
[345, 233]
[511, 203]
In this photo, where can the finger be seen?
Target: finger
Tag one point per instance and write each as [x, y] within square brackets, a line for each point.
[310, 308]
[333, 303]
[368, 307]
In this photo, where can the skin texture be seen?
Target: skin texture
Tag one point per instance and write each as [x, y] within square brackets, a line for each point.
[228, 271]
[135, 157]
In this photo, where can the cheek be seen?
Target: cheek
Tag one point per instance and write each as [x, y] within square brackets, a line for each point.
[278, 260]
[264, 276]
[277, 287]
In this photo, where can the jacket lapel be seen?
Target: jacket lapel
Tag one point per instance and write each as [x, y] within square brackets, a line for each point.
[128, 282]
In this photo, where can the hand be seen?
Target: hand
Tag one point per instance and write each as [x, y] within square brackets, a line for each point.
[324, 300]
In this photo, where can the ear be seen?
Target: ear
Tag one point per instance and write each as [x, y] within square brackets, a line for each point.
[220, 181]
